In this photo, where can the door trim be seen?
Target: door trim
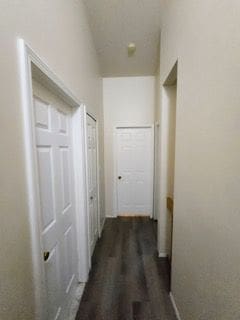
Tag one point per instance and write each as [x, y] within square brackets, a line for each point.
[115, 160]
[156, 171]
[30, 64]
[98, 179]
[98, 174]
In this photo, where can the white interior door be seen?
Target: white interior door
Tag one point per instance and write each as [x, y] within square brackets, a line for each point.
[56, 190]
[92, 180]
[135, 154]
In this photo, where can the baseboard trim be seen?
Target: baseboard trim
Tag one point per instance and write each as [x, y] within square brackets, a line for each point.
[108, 216]
[163, 255]
[175, 306]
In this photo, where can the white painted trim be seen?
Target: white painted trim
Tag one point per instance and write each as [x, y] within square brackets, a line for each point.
[98, 179]
[115, 173]
[30, 64]
[175, 306]
[33, 199]
[162, 166]
[170, 80]
[135, 127]
[156, 169]
[108, 216]
[115, 193]
[163, 255]
[81, 193]
[87, 186]
[153, 168]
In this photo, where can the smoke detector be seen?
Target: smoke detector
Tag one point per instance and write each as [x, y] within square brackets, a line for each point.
[131, 49]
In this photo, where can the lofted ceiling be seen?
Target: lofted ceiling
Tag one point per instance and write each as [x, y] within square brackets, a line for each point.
[116, 23]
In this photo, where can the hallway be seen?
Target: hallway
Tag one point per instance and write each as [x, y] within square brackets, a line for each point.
[127, 281]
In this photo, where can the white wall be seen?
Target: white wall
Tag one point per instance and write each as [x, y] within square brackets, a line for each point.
[127, 101]
[157, 146]
[58, 32]
[166, 167]
[204, 37]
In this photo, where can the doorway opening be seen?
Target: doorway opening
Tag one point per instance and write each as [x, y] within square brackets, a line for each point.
[167, 165]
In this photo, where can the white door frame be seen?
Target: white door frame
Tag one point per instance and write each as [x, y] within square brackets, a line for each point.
[115, 166]
[98, 179]
[171, 79]
[156, 171]
[31, 64]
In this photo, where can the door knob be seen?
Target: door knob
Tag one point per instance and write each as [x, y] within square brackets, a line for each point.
[91, 198]
[46, 255]
[119, 177]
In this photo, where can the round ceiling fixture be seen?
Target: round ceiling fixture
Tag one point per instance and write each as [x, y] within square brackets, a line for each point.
[131, 49]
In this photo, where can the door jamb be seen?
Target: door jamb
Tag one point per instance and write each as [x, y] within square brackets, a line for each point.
[98, 177]
[171, 79]
[28, 59]
[115, 174]
[156, 171]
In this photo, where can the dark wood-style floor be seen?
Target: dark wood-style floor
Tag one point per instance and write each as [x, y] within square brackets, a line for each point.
[127, 281]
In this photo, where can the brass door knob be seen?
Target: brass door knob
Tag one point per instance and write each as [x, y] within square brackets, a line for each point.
[46, 255]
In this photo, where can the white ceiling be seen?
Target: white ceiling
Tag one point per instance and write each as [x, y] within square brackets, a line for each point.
[116, 23]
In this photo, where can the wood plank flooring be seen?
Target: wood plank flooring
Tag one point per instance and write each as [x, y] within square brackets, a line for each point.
[127, 281]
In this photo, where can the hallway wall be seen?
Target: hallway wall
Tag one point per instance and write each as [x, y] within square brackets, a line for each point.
[204, 37]
[58, 32]
[127, 101]
[166, 167]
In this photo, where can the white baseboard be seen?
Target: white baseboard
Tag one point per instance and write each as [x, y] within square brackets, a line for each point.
[175, 306]
[162, 255]
[109, 216]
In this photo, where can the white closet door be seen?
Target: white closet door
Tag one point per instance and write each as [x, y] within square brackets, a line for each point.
[56, 189]
[92, 180]
[135, 154]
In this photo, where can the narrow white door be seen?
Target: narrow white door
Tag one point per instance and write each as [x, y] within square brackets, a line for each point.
[135, 154]
[92, 181]
[56, 191]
